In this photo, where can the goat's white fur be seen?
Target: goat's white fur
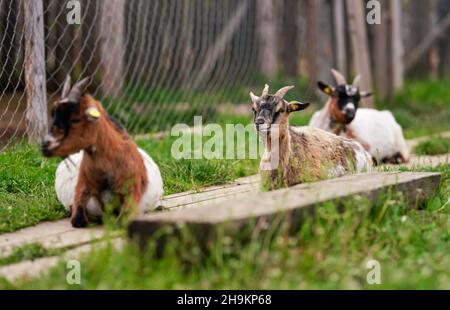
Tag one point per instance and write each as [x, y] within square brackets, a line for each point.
[378, 130]
[67, 176]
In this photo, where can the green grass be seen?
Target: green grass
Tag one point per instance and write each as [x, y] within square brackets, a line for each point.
[27, 195]
[27, 252]
[329, 251]
[433, 146]
[187, 174]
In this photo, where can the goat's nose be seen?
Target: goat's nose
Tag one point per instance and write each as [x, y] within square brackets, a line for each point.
[45, 144]
[349, 112]
[259, 121]
[45, 148]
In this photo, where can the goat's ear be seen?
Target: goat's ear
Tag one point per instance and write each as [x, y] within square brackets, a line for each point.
[365, 94]
[295, 106]
[92, 114]
[325, 88]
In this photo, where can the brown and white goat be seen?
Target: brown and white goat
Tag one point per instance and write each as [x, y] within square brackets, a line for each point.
[295, 155]
[377, 131]
[110, 162]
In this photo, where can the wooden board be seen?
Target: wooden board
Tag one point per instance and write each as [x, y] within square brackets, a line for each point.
[61, 234]
[51, 235]
[34, 268]
[213, 194]
[235, 214]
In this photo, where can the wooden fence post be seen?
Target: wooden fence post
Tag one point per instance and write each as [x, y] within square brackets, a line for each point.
[220, 44]
[339, 34]
[419, 52]
[380, 53]
[112, 32]
[397, 45]
[420, 22]
[311, 42]
[324, 51]
[35, 79]
[444, 44]
[267, 36]
[360, 44]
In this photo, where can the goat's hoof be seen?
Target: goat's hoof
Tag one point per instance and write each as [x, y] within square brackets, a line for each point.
[79, 220]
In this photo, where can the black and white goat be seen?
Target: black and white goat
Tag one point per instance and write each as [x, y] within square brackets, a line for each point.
[377, 131]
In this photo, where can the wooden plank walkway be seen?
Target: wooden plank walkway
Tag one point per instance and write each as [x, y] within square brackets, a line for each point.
[34, 268]
[234, 214]
[51, 235]
[60, 234]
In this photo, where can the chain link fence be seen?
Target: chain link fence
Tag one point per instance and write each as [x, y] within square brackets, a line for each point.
[155, 63]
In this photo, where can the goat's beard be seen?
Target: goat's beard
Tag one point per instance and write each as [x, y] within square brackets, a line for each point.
[270, 133]
[348, 120]
[264, 128]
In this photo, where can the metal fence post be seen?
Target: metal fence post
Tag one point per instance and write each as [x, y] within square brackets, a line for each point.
[35, 79]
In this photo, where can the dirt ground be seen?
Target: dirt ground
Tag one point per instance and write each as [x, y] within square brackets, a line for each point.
[12, 116]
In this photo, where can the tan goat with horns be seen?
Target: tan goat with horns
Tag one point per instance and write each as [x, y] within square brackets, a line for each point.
[299, 154]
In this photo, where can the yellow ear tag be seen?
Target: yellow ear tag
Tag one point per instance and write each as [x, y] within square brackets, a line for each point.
[293, 106]
[327, 90]
[93, 112]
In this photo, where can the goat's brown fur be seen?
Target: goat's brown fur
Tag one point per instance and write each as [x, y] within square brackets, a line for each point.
[307, 154]
[111, 161]
[335, 112]
[338, 125]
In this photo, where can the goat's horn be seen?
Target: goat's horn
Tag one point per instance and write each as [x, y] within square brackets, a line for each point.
[78, 89]
[340, 79]
[254, 97]
[283, 91]
[66, 87]
[357, 81]
[265, 90]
